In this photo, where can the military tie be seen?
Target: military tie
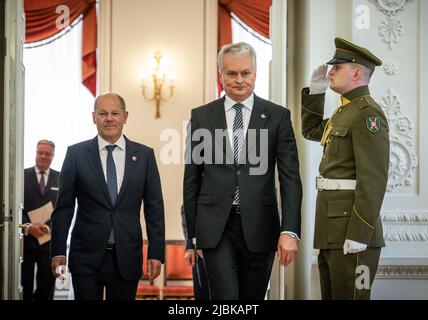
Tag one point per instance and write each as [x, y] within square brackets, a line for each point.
[111, 182]
[238, 141]
[42, 184]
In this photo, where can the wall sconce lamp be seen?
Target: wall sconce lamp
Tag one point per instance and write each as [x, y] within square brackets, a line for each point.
[159, 77]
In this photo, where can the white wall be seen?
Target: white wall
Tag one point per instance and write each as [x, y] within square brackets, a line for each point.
[176, 28]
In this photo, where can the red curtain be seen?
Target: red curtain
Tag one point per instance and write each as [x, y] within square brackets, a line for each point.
[41, 23]
[254, 13]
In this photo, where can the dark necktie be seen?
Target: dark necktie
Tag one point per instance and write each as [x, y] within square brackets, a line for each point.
[42, 184]
[238, 141]
[111, 181]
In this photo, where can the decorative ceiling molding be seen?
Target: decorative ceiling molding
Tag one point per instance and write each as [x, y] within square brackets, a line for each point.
[402, 160]
[391, 7]
[402, 272]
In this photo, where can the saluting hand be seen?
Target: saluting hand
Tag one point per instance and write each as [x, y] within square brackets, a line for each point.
[319, 81]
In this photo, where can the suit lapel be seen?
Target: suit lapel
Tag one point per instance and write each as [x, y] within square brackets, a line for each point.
[259, 117]
[218, 121]
[94, 160]
[131, 159]
[34, 181]
[50, 182]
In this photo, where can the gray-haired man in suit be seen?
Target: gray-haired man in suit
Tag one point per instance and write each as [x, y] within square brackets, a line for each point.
[229, 199]
[40, 188]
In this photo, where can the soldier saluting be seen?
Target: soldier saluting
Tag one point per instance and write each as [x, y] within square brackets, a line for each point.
[353, 172]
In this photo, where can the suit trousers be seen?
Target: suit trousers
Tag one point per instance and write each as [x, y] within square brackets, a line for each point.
[347, 277]
[235, 273]
[45, 281]
[200, 281]
[107, 276]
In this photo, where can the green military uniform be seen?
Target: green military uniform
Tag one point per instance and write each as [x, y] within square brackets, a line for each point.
[356, 147]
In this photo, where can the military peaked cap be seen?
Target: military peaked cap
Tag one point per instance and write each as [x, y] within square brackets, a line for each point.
[348, 52]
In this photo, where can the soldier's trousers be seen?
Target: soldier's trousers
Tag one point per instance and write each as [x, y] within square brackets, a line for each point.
[347, 277]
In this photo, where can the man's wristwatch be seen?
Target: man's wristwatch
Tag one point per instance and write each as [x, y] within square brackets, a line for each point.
[294, 236]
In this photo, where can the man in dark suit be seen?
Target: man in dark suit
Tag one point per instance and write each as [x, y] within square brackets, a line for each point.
[40, 188]
[231, 208]
[110, 176]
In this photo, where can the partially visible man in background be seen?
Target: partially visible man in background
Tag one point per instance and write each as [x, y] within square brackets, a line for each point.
[40, 189]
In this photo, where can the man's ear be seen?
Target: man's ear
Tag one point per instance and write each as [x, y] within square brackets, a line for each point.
[93, 117]
[358, 73]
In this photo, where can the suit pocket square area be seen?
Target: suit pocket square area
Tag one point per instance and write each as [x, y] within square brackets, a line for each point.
[205, 199]
[54, 188]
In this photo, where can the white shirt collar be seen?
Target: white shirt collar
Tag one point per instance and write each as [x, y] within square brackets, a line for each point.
[248, 103]
[38, 171]
[120, 143]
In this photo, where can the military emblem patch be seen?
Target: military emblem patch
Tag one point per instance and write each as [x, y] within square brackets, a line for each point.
[373, 124]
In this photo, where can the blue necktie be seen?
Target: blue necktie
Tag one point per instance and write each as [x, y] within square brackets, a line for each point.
[238, 141]
[111, 181]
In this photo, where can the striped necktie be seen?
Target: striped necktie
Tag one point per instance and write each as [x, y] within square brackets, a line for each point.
[238, 141]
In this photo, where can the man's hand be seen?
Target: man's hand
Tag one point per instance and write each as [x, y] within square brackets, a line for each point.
[319, 81]
[190, 256]
[38, 230]
[351, 246]
[153, 268]
[287, 249]
[58, 264]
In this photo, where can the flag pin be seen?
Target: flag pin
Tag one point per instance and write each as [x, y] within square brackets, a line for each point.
[134, 158]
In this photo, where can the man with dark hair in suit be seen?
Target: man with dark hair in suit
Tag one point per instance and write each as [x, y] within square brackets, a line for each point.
[40, 188]
[110, 176]
[233, 147]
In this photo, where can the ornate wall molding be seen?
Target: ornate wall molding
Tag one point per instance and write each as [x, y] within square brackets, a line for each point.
[390, 68]
[403, 160]
[391, 7]
[408, 227]
[391, 30]
[402, 272]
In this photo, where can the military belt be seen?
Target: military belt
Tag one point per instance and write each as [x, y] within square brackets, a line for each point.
[322, 183]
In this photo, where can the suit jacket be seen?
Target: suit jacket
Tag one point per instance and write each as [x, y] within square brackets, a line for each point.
[82, 178]
[209, 186]
[354, 152]
[33, 199]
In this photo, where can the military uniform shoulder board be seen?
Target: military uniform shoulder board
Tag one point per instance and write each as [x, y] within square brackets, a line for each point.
[373, 124]
[363, 102]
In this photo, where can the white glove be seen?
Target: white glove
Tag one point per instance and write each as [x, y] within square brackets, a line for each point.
[319, 81]
[351, 246]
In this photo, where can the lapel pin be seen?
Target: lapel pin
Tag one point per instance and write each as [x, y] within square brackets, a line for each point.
[134, 158]
[263, 116]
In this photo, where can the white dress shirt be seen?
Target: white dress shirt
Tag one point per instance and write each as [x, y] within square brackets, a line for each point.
[230, 114]
[39, 176]
[119, 156]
